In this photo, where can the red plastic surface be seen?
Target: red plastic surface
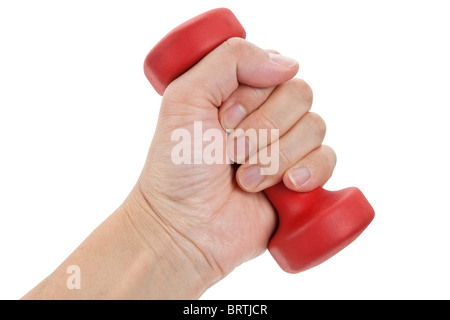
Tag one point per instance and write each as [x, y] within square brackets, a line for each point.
[187, 44]
[313, 226]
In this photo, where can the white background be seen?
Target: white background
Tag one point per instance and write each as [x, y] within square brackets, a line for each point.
[77, 116]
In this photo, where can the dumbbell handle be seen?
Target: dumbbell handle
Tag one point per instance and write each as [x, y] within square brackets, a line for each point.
[313, 226]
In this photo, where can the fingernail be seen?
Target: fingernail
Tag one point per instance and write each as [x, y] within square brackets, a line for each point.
[233, 116]
[282, 60]
[242, 149]
[251, 177]
[299, 176]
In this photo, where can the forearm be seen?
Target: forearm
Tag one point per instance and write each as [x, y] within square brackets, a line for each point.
[130, 256]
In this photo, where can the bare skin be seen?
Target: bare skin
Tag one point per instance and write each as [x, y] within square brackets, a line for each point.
[184, 227]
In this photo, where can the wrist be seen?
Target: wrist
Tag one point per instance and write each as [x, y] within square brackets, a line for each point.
[175, 264]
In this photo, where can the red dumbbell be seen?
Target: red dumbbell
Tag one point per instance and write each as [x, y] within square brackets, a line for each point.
[312, 226]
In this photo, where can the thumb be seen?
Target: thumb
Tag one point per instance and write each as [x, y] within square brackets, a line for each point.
[236, 61]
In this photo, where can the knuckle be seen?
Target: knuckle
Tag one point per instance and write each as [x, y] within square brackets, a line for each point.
[300, 90]
[318, 125]
[330, 154]
[234, 45]
[266, 121]
[258, 94]
[285, 157]
[272, 51]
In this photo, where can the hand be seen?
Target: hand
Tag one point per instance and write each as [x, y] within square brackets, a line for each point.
[185, 226]
[213, 210]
